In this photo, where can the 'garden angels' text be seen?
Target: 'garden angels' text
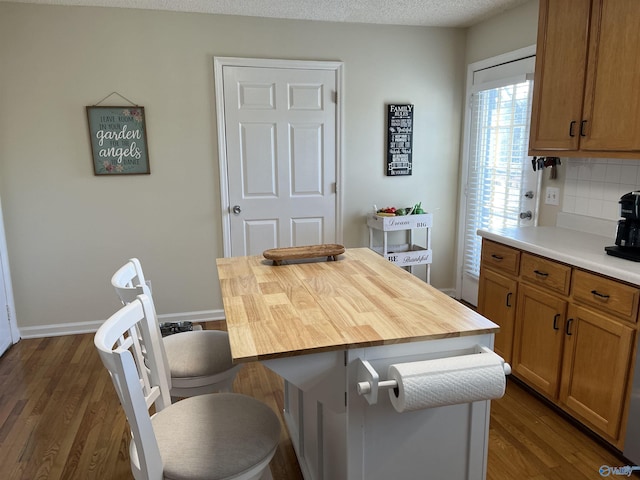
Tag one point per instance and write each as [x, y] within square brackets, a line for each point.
[116, 141]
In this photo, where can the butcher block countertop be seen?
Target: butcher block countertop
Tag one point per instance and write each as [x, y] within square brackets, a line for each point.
[360, 300]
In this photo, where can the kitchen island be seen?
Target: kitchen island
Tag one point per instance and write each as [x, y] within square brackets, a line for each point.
[326, 327]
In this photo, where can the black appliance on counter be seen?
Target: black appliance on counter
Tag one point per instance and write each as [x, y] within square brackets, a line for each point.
[628, 232]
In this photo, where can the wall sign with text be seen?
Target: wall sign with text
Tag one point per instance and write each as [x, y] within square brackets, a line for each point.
[399, 139]
[118, 140]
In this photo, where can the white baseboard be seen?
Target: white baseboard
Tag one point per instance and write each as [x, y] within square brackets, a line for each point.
[59, 329]
[195, 317]
[449, 291]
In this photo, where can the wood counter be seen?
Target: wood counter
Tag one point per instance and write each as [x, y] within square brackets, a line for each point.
[361, 300]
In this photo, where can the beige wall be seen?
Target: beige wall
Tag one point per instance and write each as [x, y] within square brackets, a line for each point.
[514, 29]
[67, 230]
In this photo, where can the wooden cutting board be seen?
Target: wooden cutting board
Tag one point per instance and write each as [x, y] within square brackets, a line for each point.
[329, 250]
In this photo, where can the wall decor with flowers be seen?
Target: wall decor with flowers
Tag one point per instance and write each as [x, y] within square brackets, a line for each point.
[118, 140]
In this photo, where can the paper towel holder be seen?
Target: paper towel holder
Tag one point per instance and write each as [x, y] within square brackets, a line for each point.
[369, 381]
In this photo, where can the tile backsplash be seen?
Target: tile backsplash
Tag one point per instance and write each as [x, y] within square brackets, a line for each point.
[593, 186]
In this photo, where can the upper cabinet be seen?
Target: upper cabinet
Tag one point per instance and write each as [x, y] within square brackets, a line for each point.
[586, 98]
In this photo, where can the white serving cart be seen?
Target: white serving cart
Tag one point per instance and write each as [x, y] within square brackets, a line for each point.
[405, 254]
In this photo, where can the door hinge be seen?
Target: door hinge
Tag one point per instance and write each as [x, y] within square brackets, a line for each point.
[335, 97]
[334, 187]
[346, 362]
[8, 313]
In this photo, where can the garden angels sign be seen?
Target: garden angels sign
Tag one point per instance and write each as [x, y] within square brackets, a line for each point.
[118, 140]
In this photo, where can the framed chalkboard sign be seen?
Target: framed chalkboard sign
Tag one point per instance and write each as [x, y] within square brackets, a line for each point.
[118, 140]
[399, 139]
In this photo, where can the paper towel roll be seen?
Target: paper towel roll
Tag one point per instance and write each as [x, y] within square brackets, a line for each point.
[446, 381]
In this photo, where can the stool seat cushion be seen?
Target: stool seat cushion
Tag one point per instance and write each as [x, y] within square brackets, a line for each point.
[199, 353]
[215, 436]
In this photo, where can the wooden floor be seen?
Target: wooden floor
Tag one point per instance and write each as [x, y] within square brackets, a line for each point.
[60, 419]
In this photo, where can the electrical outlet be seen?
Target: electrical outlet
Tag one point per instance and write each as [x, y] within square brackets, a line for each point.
[552, 196]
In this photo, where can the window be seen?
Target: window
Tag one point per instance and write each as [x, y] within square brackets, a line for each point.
[498, 169]
[498, 143]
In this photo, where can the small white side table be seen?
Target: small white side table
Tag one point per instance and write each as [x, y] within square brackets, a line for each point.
[407, 254]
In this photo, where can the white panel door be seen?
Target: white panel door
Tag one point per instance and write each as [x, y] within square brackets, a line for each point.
[280, 131]
[8, 327]
[499, 186]
[5, 327]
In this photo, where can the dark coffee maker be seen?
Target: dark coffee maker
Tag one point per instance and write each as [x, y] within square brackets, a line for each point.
[628, 231]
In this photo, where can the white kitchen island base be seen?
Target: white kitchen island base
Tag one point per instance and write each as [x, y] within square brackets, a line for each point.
[337, 435]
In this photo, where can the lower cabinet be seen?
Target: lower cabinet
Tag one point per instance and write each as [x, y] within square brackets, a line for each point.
[568, 333]
[497, 301]
[595, 368]
[539, 339]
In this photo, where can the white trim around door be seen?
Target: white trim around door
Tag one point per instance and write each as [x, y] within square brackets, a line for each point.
[219, 63]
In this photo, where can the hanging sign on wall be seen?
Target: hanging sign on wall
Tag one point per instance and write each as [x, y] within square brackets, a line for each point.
[399, 139]
[118, 140]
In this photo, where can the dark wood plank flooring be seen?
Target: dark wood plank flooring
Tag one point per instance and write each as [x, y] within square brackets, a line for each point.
[60, 419]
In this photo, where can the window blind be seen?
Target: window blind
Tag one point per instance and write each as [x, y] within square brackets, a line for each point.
[497, 158]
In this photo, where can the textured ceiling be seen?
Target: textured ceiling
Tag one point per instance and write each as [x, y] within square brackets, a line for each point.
[438, 13]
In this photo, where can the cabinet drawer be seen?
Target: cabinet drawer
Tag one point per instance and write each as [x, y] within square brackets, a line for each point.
[500, 257]
[605, 294]
[546, 273]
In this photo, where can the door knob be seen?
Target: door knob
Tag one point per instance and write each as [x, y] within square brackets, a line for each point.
[526, 215]
[236, 210]
[529, 194]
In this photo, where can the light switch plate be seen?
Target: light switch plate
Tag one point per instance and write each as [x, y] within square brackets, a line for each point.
[552, 196]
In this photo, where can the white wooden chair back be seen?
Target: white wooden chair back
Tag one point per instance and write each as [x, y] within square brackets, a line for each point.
[129, 281]
[138, 387]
